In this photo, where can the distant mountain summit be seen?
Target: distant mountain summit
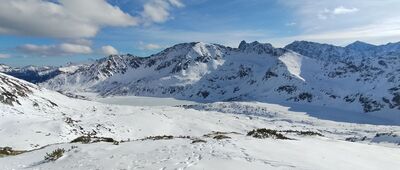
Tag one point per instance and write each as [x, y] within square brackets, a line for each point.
[360, 46]
[317, 50]
[354, 50]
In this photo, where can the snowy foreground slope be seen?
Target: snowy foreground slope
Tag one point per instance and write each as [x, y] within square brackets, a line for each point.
[199, 136]
[358, 78]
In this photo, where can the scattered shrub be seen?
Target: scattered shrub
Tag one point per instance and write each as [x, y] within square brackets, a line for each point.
[93, 139]
[53, 156]
[8, 151]
[266, 133]
[219, 137]
[304, 133]
[198, 141]
[164, 137]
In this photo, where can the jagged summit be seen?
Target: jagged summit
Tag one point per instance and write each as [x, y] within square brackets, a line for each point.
[254, 45]
[356, 50]
[178, 47]
[242, 44]
[359, 46]
[302, 43]
[316, 50]
[260, 48]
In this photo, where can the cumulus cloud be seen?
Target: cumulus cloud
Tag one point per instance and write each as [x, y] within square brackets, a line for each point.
[5, 55]
[343, 10]
[149, 46]
[290, 24]
[109, 50]
[158, 11]
[60, 19]
[55, 50]
[75, 21]
[152, 46]
[81, 41]
[330, 13]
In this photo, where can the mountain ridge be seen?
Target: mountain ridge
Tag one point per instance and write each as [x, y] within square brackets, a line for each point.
[302, 72]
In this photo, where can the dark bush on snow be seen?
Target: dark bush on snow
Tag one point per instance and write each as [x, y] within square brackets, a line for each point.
[198, 141]
[266, 133]
[164, 137]
[304, 133]
[93, 139]
[53, 156]
[8, 151]
[219, 137]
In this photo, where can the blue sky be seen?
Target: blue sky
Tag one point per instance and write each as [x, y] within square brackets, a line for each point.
[55, 32]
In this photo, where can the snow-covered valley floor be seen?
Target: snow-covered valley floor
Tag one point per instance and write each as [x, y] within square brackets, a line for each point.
[199, 136]
[142, 101]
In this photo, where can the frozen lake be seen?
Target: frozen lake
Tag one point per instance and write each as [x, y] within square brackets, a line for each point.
[142, 101]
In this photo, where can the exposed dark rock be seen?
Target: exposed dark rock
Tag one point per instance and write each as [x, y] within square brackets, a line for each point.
[370, 105]
[287, 88]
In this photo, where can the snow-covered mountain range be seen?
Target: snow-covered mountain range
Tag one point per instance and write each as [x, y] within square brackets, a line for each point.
[35, 123]
[358, 77]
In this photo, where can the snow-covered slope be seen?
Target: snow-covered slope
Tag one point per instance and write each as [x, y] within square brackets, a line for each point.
[351, 77]
[200, 136]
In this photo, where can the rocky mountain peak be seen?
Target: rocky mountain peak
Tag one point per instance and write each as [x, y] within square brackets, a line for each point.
[254, 45]
[360, 46]
[12, 89]
[317, 50]
[260, 48]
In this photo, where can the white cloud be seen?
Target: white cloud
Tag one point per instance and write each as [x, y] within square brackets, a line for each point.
[290, 24]
[75, 18]
[149, 46]
[377, 33]
[342, 10]
[61, 19]
[81, 41]
[340, 22]
[176, 3]
[158, 11]
[386, 30]
[109, 50]
[152, 46]
[327, 13]
[55, 50]
[4, 56]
